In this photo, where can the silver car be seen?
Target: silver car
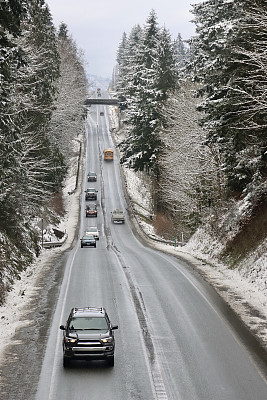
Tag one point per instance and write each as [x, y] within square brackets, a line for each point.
[88, 241]
[92, 230]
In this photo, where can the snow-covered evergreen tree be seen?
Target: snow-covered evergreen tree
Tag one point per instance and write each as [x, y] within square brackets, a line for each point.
[229, 58]
[121, 50]
[149, 72]
[248, 114]
[26, 95]
[121, 76]
[36, 90]
[166, 65]
[31, 163]
[181, 53]
[11, 13]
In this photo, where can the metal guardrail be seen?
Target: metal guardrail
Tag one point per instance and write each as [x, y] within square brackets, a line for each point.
[130, 202]
[55, 243]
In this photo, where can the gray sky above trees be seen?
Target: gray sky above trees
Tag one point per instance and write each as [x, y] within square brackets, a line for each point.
[97, 25]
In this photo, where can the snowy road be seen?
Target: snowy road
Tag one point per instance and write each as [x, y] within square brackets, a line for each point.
[176, 339]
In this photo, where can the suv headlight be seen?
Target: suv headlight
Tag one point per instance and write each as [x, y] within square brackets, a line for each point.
[107, 340]
[70, 340]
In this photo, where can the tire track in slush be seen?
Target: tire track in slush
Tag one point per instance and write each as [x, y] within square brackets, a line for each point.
[157, 382]
[153, 362]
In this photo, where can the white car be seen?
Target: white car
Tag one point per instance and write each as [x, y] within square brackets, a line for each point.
[92, 230]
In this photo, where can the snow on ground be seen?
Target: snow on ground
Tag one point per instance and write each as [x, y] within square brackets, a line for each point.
[141, 199]
[246, 286]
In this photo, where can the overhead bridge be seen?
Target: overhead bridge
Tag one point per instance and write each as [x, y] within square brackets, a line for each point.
[109, 102]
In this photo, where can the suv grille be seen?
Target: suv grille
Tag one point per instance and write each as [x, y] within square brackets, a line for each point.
[86, 343]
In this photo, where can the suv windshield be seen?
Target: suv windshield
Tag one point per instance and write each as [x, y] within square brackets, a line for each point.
[88, 323]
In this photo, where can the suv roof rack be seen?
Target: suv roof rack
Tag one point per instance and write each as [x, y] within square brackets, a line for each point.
[90, 309]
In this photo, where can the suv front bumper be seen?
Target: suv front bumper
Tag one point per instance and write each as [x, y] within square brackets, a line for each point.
[93, 353]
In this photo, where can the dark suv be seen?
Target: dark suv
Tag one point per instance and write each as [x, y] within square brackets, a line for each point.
[91, 177]
[88, 335]
[91, 194]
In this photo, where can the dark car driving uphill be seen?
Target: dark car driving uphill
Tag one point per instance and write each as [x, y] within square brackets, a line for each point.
[88, 335]
[91, 194]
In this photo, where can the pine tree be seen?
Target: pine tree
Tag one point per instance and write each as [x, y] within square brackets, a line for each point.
[143, 112]
[11, 14]
[32, 164]
[149, 73]
[34, 101]
[166, 65]
[181, 54]
[29, 63]
[247, 94]
[121, 78]
[63, 32]
[230, 39]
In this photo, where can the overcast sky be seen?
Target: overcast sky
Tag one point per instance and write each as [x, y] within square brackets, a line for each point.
[97, 26]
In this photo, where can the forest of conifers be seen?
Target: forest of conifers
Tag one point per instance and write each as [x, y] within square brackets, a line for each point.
[42, 90]
[194, 116]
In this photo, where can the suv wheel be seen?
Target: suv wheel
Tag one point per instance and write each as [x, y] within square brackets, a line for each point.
[66, 362]
[111, 361]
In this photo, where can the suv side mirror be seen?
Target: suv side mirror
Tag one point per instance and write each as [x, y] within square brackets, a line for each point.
[62, 327]
[114, 327]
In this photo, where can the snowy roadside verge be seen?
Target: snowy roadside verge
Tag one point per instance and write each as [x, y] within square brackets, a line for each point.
[249, 302]
[26, 287]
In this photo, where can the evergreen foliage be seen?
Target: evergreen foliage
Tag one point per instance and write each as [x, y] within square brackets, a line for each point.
[32, 165]
[226, 155]
[181, 53]
[230, 60]
[146, 73]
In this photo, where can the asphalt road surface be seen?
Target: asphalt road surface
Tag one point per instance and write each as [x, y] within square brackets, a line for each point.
[176, 339]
